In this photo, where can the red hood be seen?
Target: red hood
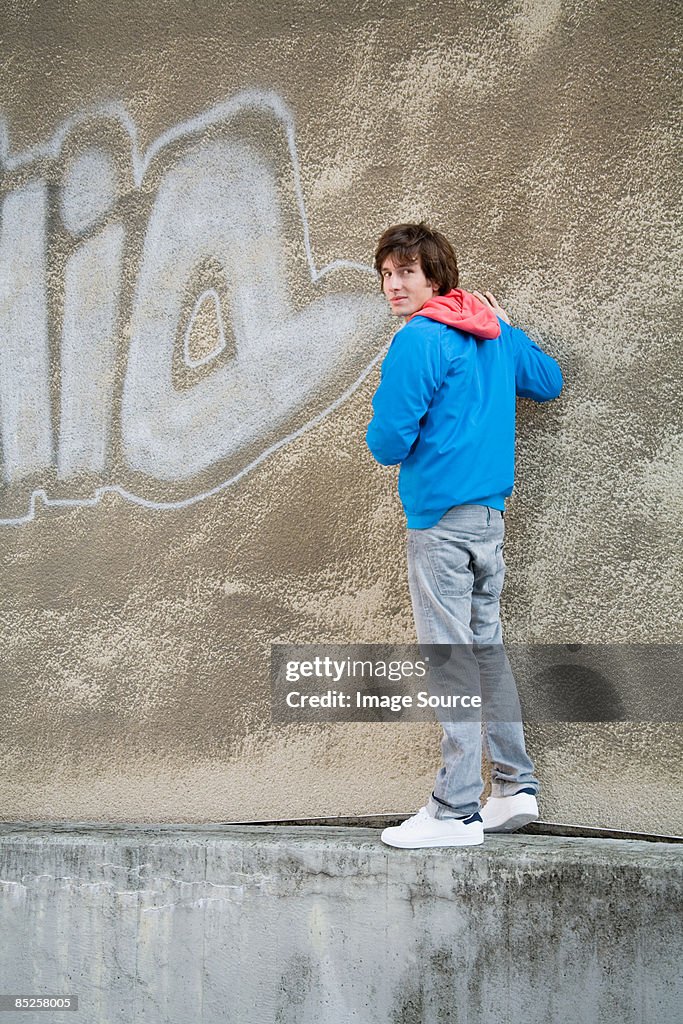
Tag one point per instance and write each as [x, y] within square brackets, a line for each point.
[462, 310]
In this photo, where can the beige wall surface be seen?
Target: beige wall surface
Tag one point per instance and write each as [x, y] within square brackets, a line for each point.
[189, 341]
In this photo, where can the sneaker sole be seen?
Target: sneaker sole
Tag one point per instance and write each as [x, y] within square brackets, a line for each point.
[512, 824]
[423, 844]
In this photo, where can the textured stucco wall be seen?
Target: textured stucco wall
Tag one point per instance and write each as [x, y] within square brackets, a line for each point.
[163, 161]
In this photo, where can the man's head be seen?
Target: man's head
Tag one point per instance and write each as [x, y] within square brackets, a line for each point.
[414, 264]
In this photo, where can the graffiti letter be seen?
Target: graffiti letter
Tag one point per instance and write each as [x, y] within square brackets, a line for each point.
[25, 426]
[88, 354]
[91, 304]
[220, 203]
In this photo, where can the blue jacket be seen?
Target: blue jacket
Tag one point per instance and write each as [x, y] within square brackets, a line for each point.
[445, 409]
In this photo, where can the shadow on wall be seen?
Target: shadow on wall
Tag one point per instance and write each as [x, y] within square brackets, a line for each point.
[193, 333]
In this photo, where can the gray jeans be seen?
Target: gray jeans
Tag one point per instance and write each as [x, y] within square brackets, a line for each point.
[456, 572]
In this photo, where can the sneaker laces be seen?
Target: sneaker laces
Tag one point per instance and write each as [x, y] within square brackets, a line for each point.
[417, 819]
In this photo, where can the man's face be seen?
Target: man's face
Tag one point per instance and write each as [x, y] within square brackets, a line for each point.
[405, 286]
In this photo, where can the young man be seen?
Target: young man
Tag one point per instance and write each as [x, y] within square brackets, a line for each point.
[445, 410]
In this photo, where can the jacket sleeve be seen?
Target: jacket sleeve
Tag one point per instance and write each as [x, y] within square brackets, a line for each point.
[537, 375]
[411, 373]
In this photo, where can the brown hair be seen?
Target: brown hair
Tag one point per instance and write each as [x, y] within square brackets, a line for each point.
[408, 243]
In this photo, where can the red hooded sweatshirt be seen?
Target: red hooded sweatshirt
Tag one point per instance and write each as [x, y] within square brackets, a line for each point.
[462, 310]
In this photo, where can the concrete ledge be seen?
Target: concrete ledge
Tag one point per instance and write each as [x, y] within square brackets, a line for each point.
[296, 924]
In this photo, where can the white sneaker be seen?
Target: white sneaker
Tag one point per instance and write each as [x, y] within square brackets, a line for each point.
[423, 830]
[508, 813]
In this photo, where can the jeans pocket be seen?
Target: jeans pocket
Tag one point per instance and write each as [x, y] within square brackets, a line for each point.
[450, 568]
[493, 584]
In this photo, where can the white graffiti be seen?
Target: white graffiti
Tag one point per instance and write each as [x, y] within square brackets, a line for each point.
[216, 249]
[208, 297]
[25, 417]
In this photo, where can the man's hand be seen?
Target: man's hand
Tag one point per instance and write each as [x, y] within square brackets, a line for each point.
[490, 300]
